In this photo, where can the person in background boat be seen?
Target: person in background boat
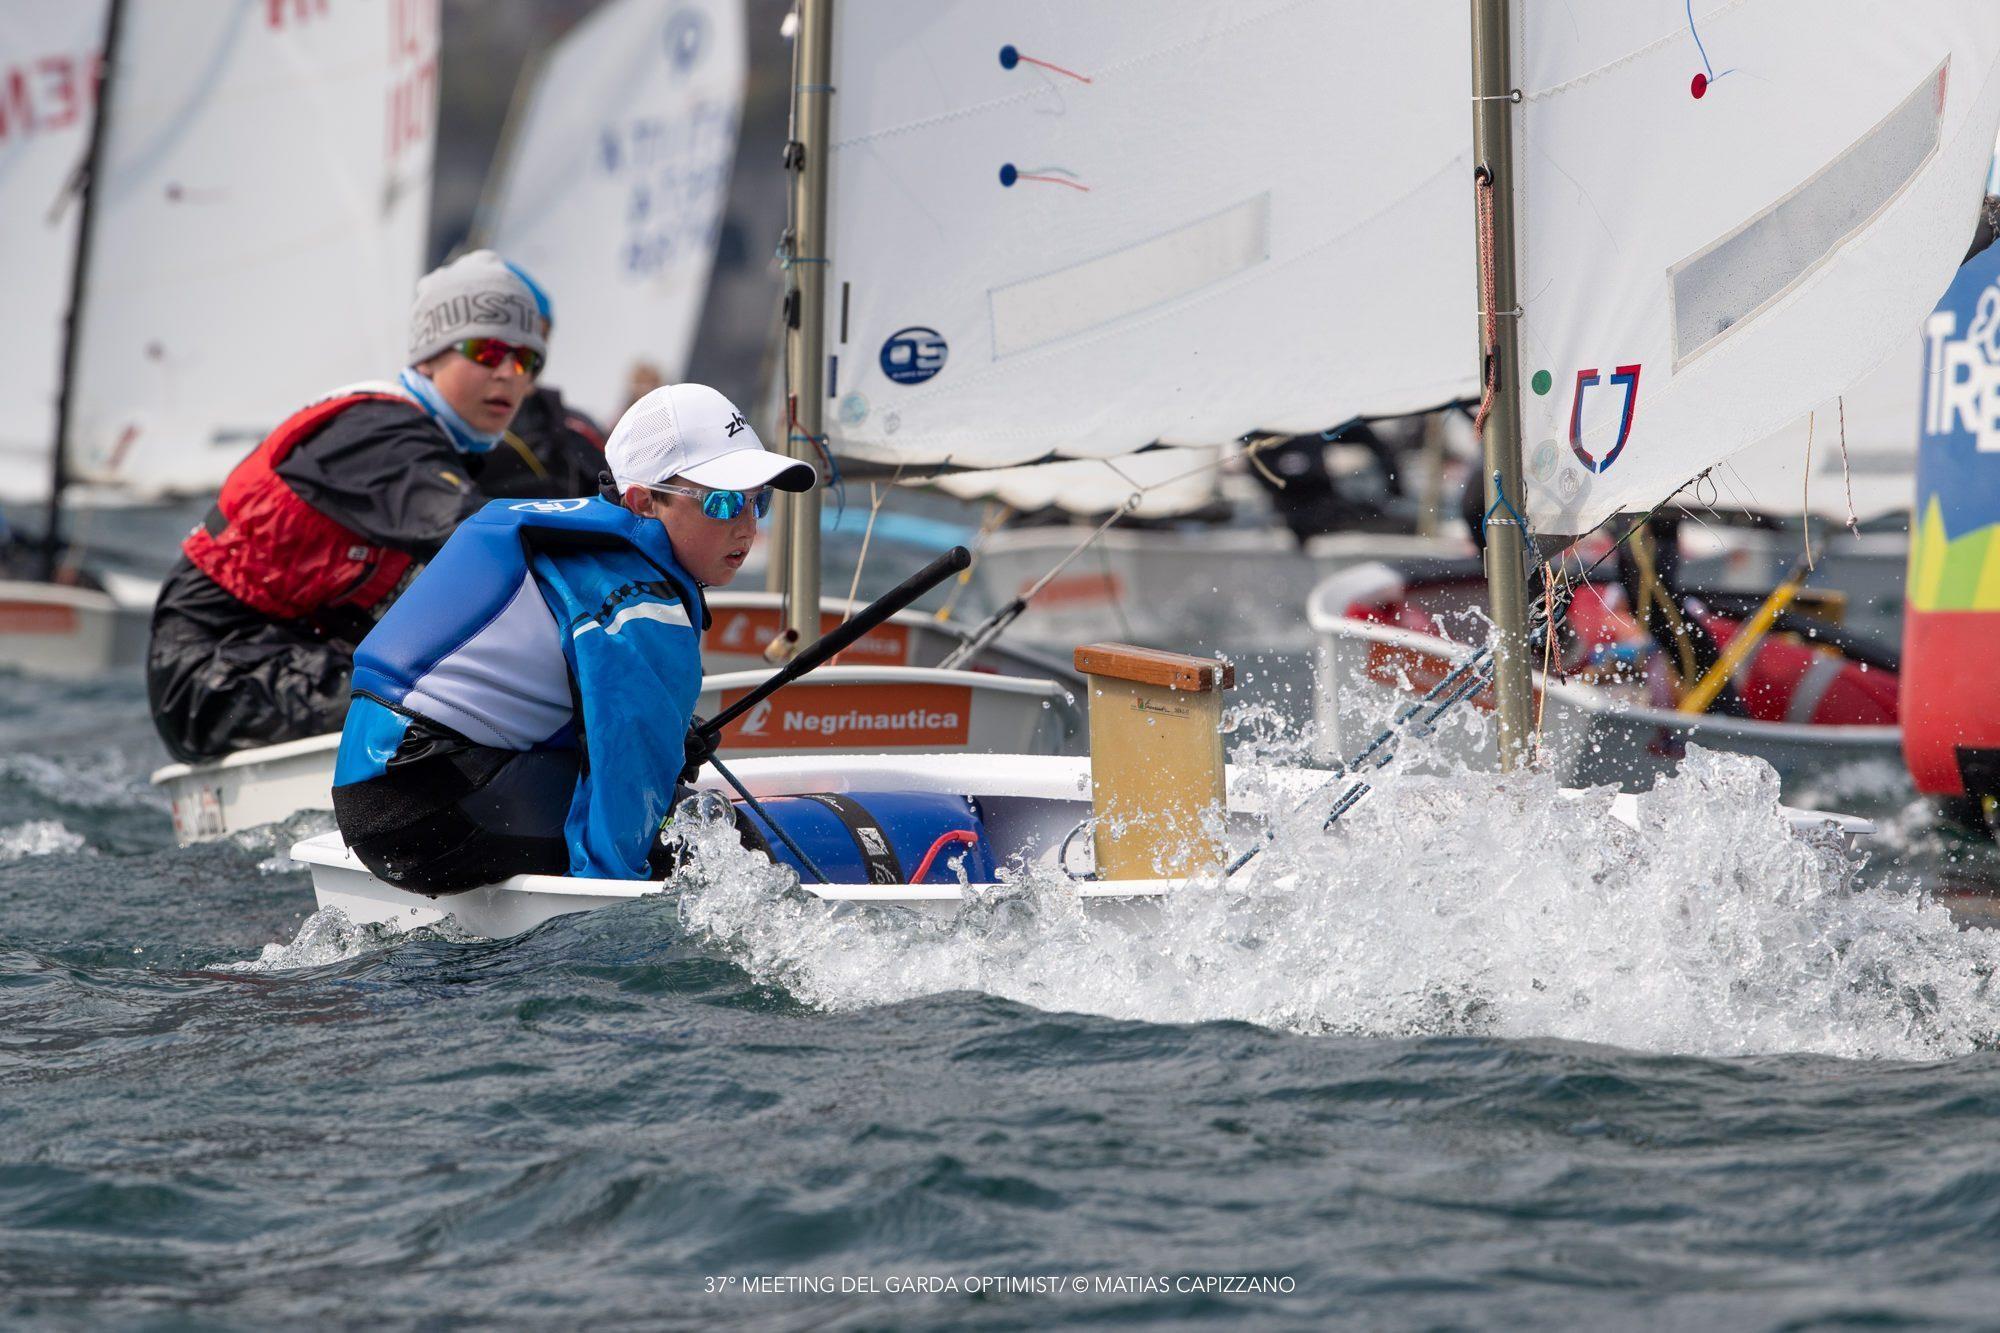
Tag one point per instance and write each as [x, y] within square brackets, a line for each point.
[316, 532]
[524, 707]
[1306, 495]
[1649, 563]
[551, 450]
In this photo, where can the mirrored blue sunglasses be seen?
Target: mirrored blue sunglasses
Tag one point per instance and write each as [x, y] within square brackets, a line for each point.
[723, 506]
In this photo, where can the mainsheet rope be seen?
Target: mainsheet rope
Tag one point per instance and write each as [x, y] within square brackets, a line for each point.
[994, 625]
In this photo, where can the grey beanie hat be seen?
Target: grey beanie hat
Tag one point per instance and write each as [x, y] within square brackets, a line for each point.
[477, 295]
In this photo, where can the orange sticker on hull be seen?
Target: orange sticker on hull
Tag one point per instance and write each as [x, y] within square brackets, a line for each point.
[744, 631]
[853, 717]
[36, 618]
[1080, 590]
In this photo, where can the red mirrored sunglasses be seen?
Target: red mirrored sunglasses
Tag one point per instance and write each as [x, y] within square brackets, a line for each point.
[491, 352]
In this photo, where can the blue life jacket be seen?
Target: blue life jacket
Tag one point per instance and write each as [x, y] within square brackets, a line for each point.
[546, 624]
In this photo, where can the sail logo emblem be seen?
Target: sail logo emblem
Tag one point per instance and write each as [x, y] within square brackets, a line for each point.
[549, 506]
[913, 355]
[686, 31]
[1625, 377]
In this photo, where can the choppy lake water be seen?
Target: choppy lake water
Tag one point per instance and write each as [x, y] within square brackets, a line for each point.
[1479, 1063]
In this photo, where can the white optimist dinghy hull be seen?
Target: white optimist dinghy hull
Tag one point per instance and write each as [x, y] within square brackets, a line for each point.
[1029, 805]
[1368, 671]
[49, 629]
[837, 710]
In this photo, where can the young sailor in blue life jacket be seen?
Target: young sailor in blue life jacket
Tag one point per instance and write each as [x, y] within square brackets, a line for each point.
[523, 708]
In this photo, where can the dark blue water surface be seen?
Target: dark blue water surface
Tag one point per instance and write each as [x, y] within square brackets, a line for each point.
[624, 1121]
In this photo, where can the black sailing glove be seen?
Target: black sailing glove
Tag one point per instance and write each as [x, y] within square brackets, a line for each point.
[699, 749]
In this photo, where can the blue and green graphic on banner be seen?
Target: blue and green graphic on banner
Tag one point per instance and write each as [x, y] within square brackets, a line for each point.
[1955, 539]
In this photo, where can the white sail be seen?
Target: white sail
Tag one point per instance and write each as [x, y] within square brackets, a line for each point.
[1080, 229]
[1159, 483]
[48, 83]
[1862, 467]
[1729, 211]
[1853, 457]
[259, 228]
[615, 183]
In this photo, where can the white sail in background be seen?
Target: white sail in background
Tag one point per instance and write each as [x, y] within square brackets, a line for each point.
[1729, 212]
[260, 225]
[48, 82]
[614, 189]
[1803, 469]
[1080, 229]
[1166, 482]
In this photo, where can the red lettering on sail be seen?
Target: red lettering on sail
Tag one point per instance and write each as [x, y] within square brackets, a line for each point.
[47, 93]
[277, 13]
[413, 86]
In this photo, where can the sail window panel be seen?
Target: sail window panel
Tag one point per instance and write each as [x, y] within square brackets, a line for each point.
[1131, 280]
[1725, 284]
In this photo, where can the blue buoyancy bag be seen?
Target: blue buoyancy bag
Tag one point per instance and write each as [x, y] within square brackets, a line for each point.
[880, 837]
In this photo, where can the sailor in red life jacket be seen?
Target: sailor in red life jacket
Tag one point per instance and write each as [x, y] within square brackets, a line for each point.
[317, 531]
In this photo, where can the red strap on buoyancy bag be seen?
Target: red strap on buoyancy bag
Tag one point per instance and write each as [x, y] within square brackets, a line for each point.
[1790, 680]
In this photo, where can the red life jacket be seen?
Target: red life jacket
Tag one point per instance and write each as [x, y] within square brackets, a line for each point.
[275, 553]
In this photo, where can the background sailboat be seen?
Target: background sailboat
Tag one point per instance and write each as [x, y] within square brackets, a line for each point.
[611, 185]
[1797, 207]
[256, 200]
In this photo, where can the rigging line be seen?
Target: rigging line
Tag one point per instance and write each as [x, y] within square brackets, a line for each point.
[876, 495]
[1472, 670]
[1548, 649]
[771, 823]
[1462, 682]
[995, 624]
[1846, 475]
[1129, 505]
[1696, 33]
[1805, 491]
[1489, 322]
[996, 516]
[1252, 454]
[1034, 589]
[1705, 524]
[1117, 594]
[796, 433]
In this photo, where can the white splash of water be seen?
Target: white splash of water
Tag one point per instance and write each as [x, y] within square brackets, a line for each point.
[330, 936]
[279, 838]
[37, 837]
[1443, 904]
[80, 779]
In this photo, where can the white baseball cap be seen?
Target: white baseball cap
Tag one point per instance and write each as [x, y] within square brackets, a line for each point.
[692, 432]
